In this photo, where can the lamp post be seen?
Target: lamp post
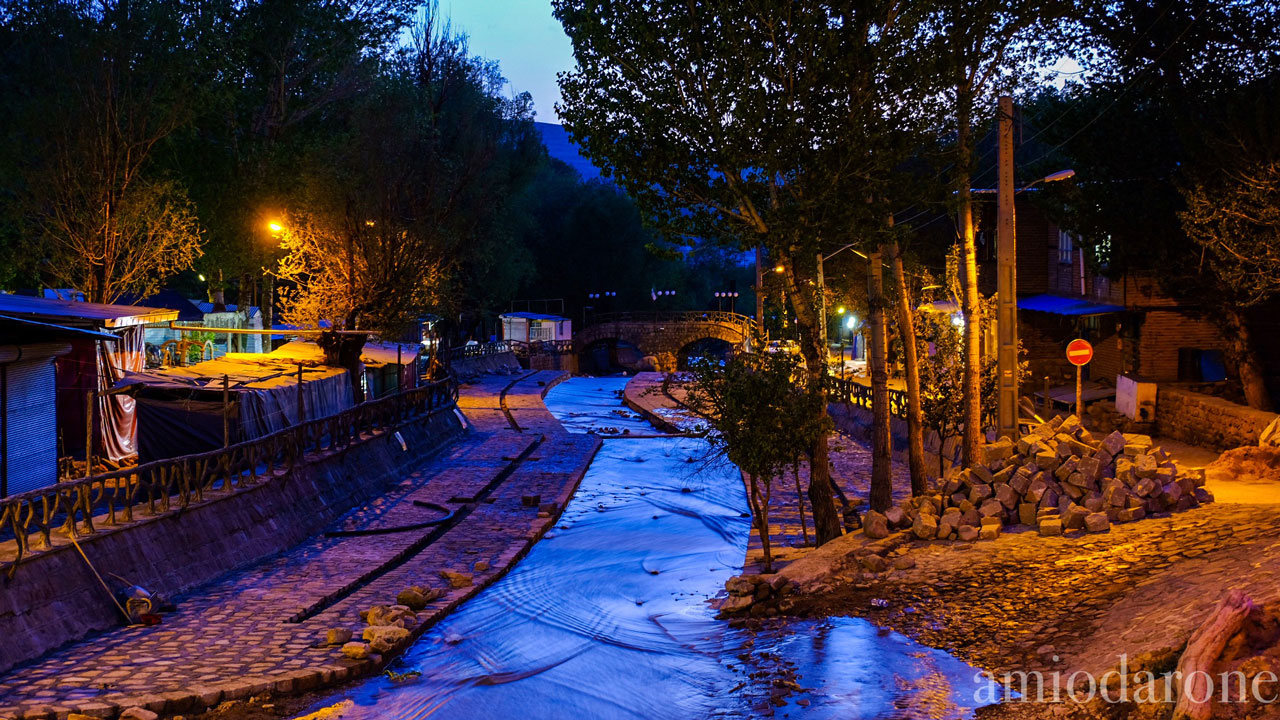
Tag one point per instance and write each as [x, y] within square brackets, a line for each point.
[268, 289]
[732, 297]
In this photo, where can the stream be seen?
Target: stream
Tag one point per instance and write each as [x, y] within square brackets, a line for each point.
[608, 615]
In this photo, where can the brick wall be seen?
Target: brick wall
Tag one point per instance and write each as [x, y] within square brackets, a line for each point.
[1162, 333]
[53, 599]
[1206, 420]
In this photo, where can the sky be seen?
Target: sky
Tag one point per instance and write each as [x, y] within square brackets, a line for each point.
[528, 43]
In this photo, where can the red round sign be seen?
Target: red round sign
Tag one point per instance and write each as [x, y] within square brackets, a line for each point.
[1079, 352]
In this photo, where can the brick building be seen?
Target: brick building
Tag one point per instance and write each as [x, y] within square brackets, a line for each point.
[1133, 326]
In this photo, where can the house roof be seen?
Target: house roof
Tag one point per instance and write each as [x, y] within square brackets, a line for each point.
[533, 316]
[1058, 305]
[207, 308]
[80, 314]
[18, 329]
[168, 300]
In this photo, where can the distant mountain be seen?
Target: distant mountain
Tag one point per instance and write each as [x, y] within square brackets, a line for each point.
[556, 138]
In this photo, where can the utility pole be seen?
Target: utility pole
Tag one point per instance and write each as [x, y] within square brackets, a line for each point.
[1006, 278]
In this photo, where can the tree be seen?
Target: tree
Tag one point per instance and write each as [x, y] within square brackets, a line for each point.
[384, 222]
[762, 421]
[763, 123]
[109, 89]
[1179, 100]
[984, 48]
[1236, 220]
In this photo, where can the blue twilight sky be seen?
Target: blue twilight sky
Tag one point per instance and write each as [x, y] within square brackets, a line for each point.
[528, 43]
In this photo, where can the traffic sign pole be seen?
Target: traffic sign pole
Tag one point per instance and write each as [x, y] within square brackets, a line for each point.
[1079, 353]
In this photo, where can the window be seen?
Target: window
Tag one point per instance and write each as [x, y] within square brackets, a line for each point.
[1066, 247]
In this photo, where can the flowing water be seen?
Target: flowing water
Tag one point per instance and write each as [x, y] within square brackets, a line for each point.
[608, 615]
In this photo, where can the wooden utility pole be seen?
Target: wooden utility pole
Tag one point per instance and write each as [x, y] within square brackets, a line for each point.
[1006, 278]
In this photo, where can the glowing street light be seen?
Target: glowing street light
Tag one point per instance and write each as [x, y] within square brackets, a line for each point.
[275, 227]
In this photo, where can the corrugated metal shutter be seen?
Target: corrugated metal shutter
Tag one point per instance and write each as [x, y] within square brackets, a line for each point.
[32, 423]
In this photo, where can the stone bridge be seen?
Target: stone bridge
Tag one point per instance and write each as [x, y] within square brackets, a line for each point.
[668, 337]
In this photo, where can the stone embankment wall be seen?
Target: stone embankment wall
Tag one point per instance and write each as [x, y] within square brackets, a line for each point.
[496, 363]
[1206, 420]
[54, 598]
[856, 421]
[566, 362]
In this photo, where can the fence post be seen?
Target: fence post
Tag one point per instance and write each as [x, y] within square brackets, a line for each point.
[226, 416]
[88, 433]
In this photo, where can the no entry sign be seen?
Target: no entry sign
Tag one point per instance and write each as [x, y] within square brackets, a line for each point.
[1079, 352]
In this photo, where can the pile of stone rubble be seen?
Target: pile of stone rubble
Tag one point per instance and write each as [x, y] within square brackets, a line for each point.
[1058, 478]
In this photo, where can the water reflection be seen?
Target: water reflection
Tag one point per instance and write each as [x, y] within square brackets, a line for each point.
[608, 616]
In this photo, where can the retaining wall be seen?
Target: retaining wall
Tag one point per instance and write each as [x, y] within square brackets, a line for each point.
[855, 421]
[53, 597]
[498, 362]
[1207, 421]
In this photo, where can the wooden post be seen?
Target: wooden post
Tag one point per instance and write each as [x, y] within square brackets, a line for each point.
[301, 409]
[88, 433]
[399, 369]
[226, 417]
[1048, 402]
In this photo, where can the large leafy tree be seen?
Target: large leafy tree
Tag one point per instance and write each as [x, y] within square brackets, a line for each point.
[384, 221]
[763, 123]
[1178, 111]
[94, 88]
[983, 48]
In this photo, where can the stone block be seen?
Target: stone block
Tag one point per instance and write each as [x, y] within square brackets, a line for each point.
[1050, 526]
[355, 650]
[1074, 518]
[993, 521]
[1132, 513]
[989, 532]
[991, 508]
[1027, 514]
[925, 527]
[1097, 522]
[1007, 496]
[968, 533]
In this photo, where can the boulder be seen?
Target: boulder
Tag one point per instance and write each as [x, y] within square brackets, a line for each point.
[355, 650]
[968, 533]
[383, 639]
[904, 562]
[337, 636]
[991, 508]
[394, 615]
[874, 563]
[456, 579]
[876, 525]
[896, 517]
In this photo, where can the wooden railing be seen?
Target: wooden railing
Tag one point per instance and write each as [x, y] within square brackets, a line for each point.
[164, 486]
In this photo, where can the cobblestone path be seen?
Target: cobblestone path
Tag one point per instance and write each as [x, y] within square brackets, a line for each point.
[235, 638]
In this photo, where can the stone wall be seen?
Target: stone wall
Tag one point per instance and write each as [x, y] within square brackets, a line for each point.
[855, 421]
[567, 362]
[1207, 421]
[473, 367]
[53, 597]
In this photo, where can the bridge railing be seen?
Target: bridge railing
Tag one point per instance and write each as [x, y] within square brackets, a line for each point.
[541, 347]
[465, 352]
[853, 392]
[719, 317]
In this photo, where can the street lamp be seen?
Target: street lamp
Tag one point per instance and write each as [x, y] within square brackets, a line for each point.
[732, 297]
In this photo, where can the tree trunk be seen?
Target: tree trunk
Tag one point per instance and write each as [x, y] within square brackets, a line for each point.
[826, 520]
[1245, 355]
[878, 360]
[760, 511]
[915, 415]
[804, 527]
[969, 302]
[1196, 692]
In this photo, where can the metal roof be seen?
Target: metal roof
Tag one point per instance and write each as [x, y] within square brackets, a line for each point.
[47, 329]
[1059, 305]
[533, 316]
[66, 312]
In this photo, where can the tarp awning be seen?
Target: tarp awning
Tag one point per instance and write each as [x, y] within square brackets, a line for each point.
[1058, 305]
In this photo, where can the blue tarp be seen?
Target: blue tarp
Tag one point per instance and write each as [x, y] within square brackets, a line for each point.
[1059, 305]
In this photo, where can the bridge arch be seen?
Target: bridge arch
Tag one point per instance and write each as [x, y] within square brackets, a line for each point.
[664, 336]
